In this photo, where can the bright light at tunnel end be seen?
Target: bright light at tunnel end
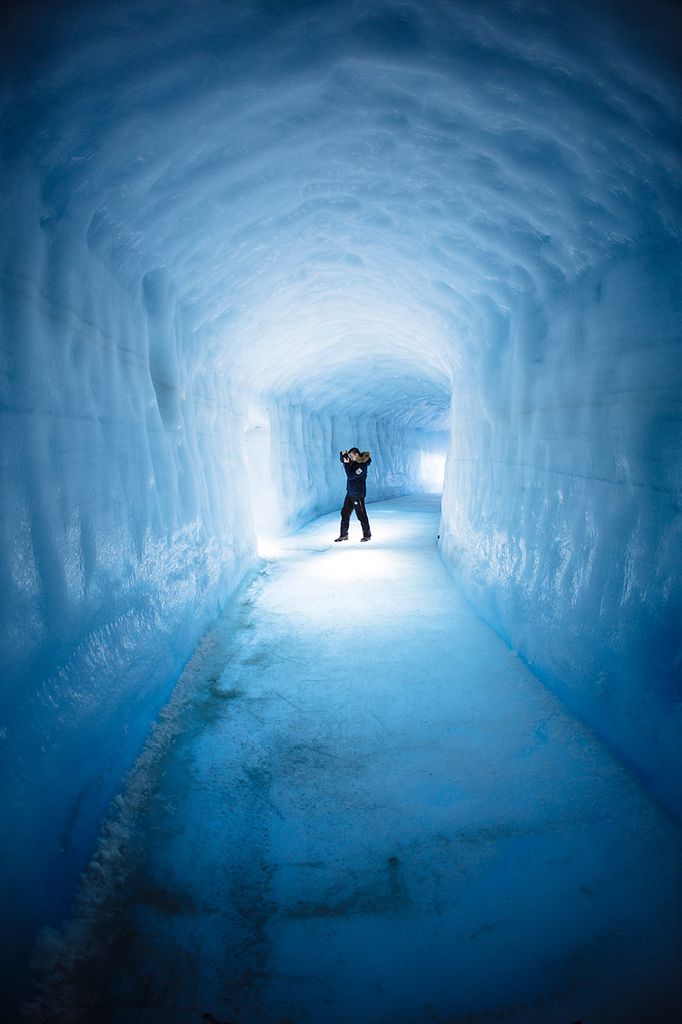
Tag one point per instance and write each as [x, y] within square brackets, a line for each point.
[432, 472]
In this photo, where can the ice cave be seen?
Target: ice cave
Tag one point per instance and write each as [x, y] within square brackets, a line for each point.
[253, 776]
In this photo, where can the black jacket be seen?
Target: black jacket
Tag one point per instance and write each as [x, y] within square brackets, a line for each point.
[356, 472]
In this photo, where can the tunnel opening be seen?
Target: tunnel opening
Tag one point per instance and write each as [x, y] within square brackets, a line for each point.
[433, 459]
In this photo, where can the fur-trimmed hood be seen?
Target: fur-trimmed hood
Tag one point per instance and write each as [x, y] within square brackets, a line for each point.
[356, 467]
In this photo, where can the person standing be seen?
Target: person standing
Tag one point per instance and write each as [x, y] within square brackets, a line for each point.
[356, 464]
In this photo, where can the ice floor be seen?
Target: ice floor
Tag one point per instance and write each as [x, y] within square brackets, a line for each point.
[370, 811]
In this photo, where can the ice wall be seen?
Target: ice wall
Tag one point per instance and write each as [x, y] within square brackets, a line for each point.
[238, 236]
[561, 507]
[125, 522]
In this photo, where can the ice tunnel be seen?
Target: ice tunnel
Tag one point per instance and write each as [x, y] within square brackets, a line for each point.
[235, 236]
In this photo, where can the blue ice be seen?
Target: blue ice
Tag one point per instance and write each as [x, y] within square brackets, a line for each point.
[360, 805]
[237, 238]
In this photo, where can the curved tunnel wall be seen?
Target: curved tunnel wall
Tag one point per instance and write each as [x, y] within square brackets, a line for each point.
[561, 508]
[372, 223]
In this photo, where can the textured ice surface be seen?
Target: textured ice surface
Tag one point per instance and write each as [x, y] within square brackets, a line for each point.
[561, 507]
[374, 815]
[238, 236]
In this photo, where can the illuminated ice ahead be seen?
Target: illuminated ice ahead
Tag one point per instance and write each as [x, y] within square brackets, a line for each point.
[237, 237]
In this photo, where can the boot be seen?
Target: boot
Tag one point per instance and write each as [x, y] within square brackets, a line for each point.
[342, 537]
[368, 537]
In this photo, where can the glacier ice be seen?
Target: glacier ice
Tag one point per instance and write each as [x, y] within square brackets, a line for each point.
[236, 238]
[359, 805]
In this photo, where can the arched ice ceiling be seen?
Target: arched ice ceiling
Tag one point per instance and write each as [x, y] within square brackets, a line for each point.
[348, 187]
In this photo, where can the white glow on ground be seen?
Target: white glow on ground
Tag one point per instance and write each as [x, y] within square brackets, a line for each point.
[351, 553]
[269, 548]
[354, 564]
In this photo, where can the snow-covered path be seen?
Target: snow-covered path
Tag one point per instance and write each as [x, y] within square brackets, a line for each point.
[372, 812]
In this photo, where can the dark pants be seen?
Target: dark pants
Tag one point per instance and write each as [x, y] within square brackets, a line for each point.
[357, 504]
